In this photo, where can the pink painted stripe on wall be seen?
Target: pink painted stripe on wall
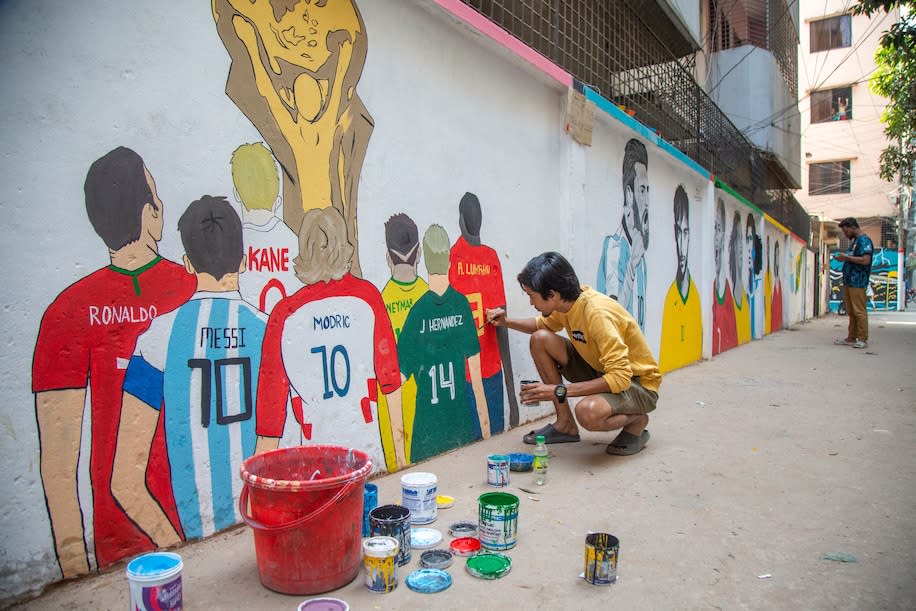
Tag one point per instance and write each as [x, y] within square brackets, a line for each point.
[486, 27]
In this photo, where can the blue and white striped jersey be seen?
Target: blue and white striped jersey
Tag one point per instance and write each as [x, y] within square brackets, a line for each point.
[199, 364]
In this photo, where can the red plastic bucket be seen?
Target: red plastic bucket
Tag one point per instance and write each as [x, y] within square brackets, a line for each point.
[305, 505]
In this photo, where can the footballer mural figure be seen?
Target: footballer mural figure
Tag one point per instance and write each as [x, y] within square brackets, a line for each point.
[682, 323]
[475, 272]
[196, 370]
[85, 340]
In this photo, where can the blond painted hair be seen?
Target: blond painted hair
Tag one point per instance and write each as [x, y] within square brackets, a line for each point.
[325, 253]
[436, 249]
[254, 174]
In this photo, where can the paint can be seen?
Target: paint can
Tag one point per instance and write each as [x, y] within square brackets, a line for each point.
[418, 494]
[393, 521]
[523, 383]
[370, 502]
[380, 556]
[497, 526]
[155, 582]
[498, 470]
[601, 551]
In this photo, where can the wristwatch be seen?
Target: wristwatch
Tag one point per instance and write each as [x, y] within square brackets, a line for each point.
[560, 393]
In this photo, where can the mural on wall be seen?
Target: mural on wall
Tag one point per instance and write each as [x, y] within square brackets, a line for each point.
[753, 266]
[737, 273]
[295, 68]
[767, 287]
[85, 341]
[682, 322]
[881, 293]
[622, 268]
[724, 328]
[196, 369]
[328, 344]
[401, 291]
[438, 347]
[776, 306]
[269, 243]
[475, 272]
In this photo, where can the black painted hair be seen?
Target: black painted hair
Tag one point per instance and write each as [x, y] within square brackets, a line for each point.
[470, 214]
[550, 271]
[402, 239]
[211, 233]
[116, 191]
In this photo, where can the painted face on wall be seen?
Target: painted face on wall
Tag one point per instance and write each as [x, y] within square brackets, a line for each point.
[300, 31]
[749, 252]
[682, 241]
[640, 212]
[719, 235]
[153, 219]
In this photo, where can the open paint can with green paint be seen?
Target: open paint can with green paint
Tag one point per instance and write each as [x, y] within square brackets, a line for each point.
[497, 526]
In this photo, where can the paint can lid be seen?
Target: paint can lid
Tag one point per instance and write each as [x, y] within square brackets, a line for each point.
[465, 546]
[436, 559]
[498, 458]
[489, 565]
[380, 547]
[463, 529]
[519, 461]
[424, 538]
[428, 581]
[419, 478]
[154, 565]
[323, 604]
[444, 501]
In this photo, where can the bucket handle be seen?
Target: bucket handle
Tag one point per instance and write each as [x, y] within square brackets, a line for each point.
[243, 510]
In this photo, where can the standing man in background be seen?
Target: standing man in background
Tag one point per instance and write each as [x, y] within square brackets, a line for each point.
[856, 272]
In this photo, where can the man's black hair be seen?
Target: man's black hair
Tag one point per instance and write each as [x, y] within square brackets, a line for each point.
[402, 239]
[849, 221]
[550, 271]
[211, 233]
[681, 204]
[470, 217]
[757, 262]
[116, 191]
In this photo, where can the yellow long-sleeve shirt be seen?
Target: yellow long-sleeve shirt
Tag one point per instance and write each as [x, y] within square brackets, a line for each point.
[608, 338]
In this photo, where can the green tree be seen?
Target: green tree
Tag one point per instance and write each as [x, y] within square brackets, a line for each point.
[895, 79]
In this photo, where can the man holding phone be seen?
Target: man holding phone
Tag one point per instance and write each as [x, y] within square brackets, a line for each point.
[856, 273]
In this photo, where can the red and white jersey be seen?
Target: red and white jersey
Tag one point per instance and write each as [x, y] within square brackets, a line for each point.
[328, 344]
[269, 276]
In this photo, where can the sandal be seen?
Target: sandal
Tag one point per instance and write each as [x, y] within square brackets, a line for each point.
[551, 435]
[627, 444]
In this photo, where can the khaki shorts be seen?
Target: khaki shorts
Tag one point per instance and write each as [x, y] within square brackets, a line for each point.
[634, 400]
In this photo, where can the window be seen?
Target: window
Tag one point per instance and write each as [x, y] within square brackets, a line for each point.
[827, 178]
[831, 33]
[831, 105]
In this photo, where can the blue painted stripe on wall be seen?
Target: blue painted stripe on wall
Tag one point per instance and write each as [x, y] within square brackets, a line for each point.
[611, 109]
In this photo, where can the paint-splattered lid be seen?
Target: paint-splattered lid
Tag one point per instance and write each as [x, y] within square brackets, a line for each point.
[436, 559]
[489, 565]
[428, 581]
[424, 538]
[324, 604]
[465, 546]
[154, 565]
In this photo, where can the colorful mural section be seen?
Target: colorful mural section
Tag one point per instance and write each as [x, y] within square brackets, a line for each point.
[881, 294]
[267, 328]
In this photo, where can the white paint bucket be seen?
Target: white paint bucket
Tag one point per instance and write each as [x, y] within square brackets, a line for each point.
[418, 494]
[155, 582]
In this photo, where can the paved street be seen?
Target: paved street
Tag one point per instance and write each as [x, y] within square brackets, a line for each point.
[761, 461]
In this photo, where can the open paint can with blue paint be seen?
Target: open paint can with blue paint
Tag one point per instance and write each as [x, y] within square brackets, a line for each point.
[155, 582]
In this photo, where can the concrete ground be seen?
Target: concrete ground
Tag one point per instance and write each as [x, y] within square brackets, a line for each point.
[761, 461]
